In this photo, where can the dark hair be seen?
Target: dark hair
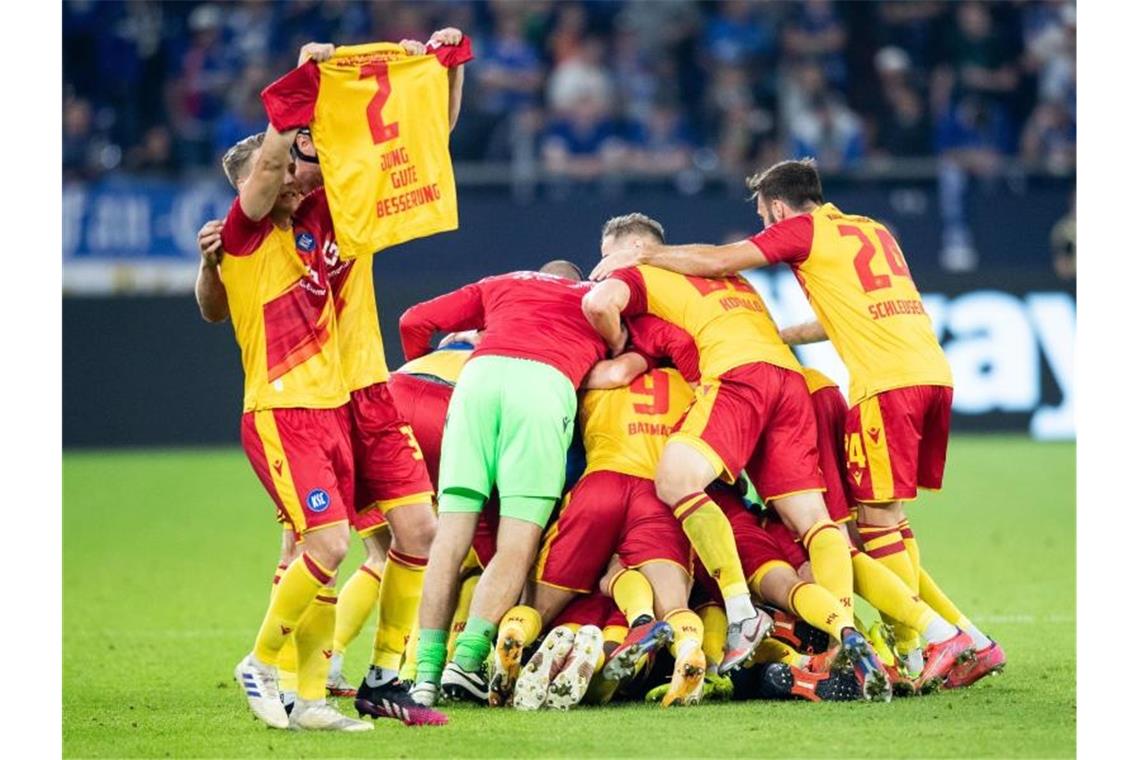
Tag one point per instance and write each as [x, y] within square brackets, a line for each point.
[632, 224]
[796, 183]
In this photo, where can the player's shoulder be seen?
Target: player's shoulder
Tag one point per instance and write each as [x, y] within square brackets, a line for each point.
[241, 236]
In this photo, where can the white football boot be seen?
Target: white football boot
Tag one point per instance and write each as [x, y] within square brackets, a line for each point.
[319, 715]
[534, 680]
[569, 686]
[259, 682]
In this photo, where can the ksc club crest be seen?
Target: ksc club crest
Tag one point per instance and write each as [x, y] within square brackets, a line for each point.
[318, 500]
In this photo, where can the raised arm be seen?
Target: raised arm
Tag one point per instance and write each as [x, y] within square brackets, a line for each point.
[615, 373]
[260, 189]
[603, 306]
[808, 332]
[209, 289]
[695, 259]
[458, 310]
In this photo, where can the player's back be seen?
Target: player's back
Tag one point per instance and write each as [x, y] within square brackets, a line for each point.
[726, 318]
[858, 282]
[624, 429]
[529, 315]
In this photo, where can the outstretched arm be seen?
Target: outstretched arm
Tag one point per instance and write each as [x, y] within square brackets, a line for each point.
[615, 373]
[458, 310]
[603, 306]
[696, 259]
[808, 332]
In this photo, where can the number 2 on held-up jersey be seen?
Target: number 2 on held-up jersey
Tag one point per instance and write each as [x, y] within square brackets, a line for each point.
[658, 391]
[866, 255]
[381, 132]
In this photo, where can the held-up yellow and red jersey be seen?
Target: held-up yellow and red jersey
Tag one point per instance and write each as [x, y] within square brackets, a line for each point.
[726, 318]
[281, 309]
[380, 124]
[624, 429]
[858, 284]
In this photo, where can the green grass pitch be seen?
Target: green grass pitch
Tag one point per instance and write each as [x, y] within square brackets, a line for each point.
[168, 558]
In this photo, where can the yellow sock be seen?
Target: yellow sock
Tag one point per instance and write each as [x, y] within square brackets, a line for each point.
[462, 610]
[911, 544]
[715, 623]
[354, 605]
[710, 533]
[277, 579]
[314, 645]
[287, 663]
[521, 618]
[298, 587]
[601, 691]
[408, 666]
[820, 608]
[771, 650]
[934, 596]
[632, 594]
[687, 625]
[886, 545]
[886, 592]
[400, 591]
[831, 560]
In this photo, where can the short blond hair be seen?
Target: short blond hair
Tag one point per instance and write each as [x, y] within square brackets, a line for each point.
[235, 163]
[633, 224]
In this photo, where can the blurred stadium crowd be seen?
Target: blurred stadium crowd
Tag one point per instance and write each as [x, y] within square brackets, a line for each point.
[585, 90]
[590, 86]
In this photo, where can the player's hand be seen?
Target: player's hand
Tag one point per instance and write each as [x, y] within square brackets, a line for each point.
[210, 242]
[623, 339]
[447, 36]
[317, 51]
[619, 259]
[413, 47]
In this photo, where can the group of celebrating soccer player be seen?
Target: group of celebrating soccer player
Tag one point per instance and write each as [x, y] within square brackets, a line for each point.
[621, 487]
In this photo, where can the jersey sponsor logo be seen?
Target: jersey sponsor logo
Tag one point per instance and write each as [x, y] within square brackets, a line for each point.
[306, 242]
[318, 500]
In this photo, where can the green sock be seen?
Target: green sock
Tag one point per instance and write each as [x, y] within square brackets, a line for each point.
[431, 651]
[474, 644]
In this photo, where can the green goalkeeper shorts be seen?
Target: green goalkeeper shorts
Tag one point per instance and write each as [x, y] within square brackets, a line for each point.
[509, 424]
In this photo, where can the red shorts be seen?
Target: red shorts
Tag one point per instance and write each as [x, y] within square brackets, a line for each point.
[423, 403]
[590, 609]
[896, 443]
[369, 522]
[757, 418]
[608, 513]
[390, 469]
[303, 457]
[830, 423]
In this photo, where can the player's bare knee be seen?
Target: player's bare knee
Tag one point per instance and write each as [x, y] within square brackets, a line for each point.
[672, 486]
[414, 529]
[328, 546]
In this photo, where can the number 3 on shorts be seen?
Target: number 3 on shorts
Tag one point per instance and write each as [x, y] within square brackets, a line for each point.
[411, 436]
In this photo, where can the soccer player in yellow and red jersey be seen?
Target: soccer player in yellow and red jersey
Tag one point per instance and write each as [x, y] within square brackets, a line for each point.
[392, 485]
[295, 425]
[857, 281]
[614, 509]
[752, 413]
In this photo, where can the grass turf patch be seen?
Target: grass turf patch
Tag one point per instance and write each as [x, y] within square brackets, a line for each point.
[168, 558]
